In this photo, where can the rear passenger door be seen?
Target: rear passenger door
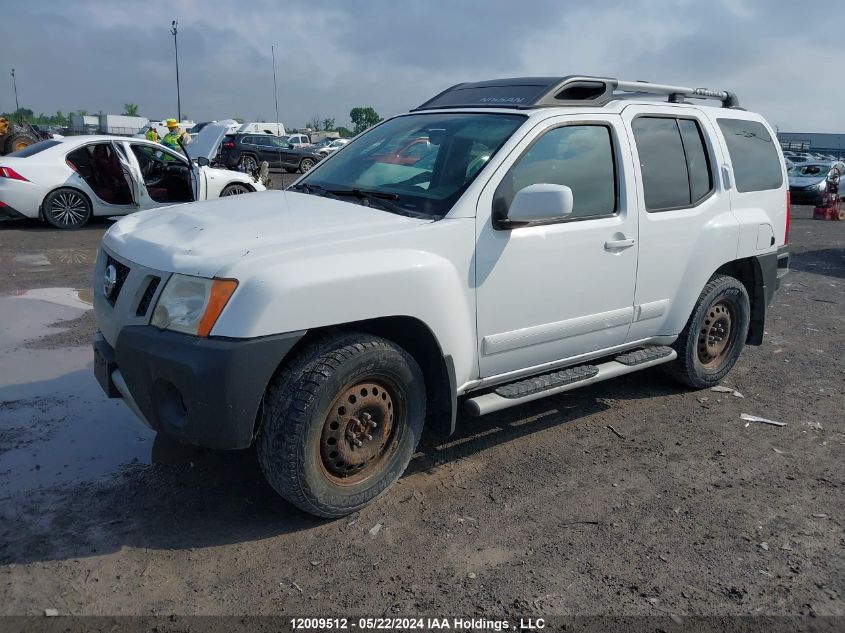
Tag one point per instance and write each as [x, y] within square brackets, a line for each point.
[686, 228]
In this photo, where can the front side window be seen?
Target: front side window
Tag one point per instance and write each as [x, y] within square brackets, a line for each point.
[673, 161]
[418, 164]
[756, 164]
[578, 156]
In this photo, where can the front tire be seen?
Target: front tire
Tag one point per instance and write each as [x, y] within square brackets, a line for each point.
[306, 164]
[341, 422]
[715, 334]
[66, 208]
[235, 189]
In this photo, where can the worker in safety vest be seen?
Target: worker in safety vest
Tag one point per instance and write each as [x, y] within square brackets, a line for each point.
[152, 134]
[174, 135]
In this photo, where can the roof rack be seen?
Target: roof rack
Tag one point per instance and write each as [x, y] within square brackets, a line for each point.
[574, 90]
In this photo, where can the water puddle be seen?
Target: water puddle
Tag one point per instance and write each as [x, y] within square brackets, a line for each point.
[56, 425]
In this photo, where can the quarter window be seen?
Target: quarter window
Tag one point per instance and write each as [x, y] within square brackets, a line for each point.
[756, 164]
[578, 156]
[673, 162]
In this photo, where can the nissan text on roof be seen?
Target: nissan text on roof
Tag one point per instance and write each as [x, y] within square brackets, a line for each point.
[552, 233]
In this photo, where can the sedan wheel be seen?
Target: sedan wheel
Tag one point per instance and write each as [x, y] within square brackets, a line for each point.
[235, 190]
[66, 209]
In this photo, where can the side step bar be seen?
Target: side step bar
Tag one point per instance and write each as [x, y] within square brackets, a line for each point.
[517, 393]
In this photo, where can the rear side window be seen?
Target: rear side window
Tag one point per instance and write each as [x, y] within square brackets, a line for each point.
[673, 161]
[34, 148]
[578, 156]
[756, 164]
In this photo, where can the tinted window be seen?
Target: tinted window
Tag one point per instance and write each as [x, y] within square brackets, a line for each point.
[755, 160]
[578, 156]
[698, 164]
[662, 162]
[34, 148]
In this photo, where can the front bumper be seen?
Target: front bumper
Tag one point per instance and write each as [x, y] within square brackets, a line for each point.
[205, 392]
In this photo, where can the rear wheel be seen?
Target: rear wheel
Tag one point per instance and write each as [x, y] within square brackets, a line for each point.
[341, 422]
[66, 209]
[248, 164]
[715, 334]
[235, 189]
[306, 164]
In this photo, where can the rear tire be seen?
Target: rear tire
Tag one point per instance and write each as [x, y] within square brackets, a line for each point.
[341, 422]
[66, 208]
[710, 344]
[248, 164]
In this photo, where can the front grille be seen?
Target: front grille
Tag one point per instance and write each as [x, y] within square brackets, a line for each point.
[144, 304]
[122, 273]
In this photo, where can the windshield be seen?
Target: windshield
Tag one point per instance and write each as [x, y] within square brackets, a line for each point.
[29, 150]
[808, 170]
[421, 162]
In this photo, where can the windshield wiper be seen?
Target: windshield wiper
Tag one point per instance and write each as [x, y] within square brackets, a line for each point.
[316, 190]
[382, 199]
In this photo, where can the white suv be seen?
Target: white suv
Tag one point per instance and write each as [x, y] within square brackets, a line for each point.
[543, 234]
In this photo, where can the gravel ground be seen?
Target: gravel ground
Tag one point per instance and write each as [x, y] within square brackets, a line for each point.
[538, 510]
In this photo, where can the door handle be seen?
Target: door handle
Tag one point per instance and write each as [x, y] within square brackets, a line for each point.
[613, 244]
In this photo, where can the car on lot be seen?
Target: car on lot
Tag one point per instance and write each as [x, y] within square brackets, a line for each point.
[808, 182]
[559, 232]
[66, 182]
[247, 151]
[296, 140]
[330, 145]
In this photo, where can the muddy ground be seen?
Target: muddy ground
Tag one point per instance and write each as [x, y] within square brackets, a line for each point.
[538, 510]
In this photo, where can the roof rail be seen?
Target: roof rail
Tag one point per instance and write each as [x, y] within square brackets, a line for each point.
[574, 90]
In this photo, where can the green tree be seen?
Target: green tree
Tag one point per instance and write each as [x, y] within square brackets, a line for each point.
[344, 132]
[363, 118]
[328, 125]
[130, 109]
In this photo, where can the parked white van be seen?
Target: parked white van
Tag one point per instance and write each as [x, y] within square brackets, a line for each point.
[505, 241]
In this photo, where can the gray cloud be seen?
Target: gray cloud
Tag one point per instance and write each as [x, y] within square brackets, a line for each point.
[333, 55]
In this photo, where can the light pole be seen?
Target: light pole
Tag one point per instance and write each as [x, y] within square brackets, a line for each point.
[15, 84]
[174, 31]
[275, 89]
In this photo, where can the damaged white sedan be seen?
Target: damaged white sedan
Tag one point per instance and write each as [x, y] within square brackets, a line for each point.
[66, 182]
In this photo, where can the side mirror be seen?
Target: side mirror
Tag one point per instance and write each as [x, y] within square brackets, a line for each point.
[290, 146]
[202, 161]
[540, 203]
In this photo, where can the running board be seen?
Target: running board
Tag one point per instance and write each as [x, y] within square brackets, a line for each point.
[516, 393]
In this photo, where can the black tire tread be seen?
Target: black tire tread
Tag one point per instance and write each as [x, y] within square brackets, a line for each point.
[681, 369]
[49, 220]
[287, 403]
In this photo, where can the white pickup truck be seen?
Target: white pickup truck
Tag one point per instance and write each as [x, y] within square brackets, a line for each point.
[505, 241]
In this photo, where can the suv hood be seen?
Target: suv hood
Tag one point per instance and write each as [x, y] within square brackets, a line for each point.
[206, 238]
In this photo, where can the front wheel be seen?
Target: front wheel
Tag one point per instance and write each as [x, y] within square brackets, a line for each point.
[235, 189]
[66, 208]
[306, 165]
[341, 422]
[715, 334]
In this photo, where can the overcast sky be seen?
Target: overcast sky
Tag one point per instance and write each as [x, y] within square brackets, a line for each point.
[783, 59]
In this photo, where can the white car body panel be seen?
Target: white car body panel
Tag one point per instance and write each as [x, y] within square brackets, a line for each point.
[48, 170]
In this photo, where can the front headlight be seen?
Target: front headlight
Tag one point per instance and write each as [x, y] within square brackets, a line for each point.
[192, 304]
